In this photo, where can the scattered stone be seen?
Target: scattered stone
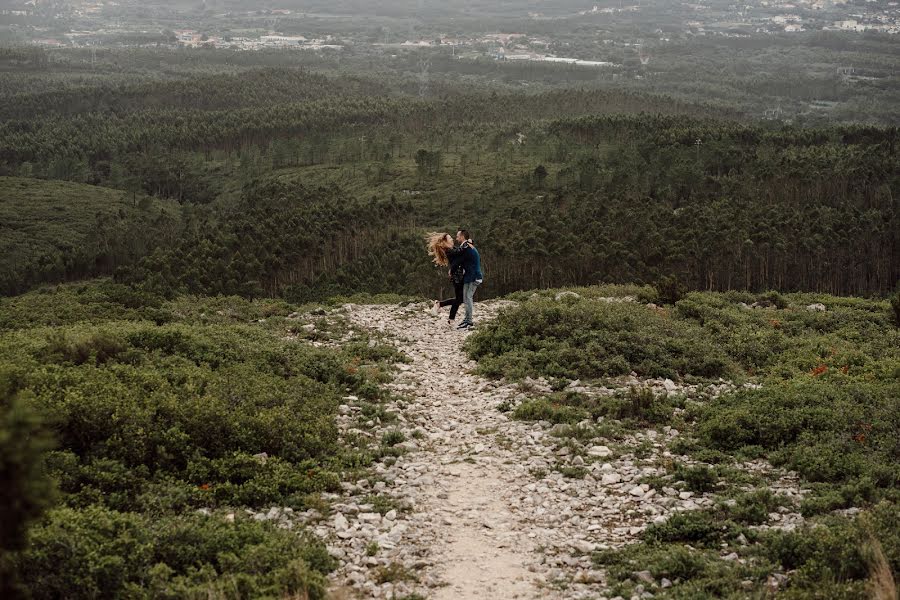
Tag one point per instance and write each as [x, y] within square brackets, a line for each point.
[566, 294]
[645, 576]
[583, 546]
[599, 451]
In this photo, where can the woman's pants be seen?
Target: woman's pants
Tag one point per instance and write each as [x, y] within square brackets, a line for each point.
[454, 303]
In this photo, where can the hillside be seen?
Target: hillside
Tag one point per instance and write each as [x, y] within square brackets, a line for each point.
[577, 443]
[221, 378]
[563, 202]
[56, 230]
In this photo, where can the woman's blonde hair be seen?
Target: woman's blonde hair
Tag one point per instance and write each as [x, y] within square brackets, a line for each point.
[434, 243]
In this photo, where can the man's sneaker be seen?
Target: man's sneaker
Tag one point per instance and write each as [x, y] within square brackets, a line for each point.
[436, 307]
[464, 325]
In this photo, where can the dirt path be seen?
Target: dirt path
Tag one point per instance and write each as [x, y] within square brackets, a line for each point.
[495, 508]
[482, 550]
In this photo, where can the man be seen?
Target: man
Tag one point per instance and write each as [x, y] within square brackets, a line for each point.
[472, 278]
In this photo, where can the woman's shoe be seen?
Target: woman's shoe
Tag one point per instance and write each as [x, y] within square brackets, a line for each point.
[436, 307]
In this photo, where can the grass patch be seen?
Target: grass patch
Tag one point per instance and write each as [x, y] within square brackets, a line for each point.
[633, 407]
[392, 573]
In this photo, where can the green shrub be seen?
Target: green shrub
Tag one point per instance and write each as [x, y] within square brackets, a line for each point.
[895, 307]
[698, 479]
[700, 527]
[25, 489]
[834, 430]
[643, 293]
[753, 508]
[589, 339]
[835, 553]
[638, 404]
[96, 348]
[99, 553]
[546, 410]
[393, 437]
[154, 421]
[695, 573]
[852, 335]
[669, 290]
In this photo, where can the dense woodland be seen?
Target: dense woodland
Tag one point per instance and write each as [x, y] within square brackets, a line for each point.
[286, 181]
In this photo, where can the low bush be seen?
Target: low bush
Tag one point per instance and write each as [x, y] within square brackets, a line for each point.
[835, 431]
[153, 421]
[832, 557]
[700, 528]
[634, 406]
[547, 410]
[589, 339]
[836, 553]
[100, 553]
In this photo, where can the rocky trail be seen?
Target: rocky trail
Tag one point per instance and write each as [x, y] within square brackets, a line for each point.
[480, 505]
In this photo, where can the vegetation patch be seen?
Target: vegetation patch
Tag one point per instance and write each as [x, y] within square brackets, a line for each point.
[709, 554]
[584, 339]
[151, 423]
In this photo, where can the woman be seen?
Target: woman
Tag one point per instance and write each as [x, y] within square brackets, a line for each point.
[444, 253]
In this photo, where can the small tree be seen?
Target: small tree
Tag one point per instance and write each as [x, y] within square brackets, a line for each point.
[539, 175]
[895, 304]
[25, 489]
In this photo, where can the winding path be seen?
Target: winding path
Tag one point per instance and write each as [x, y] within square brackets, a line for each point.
[482, 550]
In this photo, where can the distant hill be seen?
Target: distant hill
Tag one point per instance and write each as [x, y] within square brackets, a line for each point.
[54, 230]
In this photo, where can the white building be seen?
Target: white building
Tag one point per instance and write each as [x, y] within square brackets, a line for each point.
[282, 40]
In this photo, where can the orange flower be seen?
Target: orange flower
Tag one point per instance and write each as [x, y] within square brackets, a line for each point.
[819, 370]
[204, 486]
[775, 323]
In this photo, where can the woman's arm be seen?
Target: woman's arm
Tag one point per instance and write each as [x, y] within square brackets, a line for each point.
[455, 256]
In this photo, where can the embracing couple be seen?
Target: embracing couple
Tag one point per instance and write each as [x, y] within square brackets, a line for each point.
[464, 265]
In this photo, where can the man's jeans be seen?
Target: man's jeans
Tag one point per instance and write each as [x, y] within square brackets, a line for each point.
[469, 299]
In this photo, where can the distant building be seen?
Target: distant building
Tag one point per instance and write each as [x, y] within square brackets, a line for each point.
[282, 40]
[850, 25]
[189, 37]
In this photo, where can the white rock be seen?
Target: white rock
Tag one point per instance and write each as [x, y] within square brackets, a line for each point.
[369, 517]
[599, 451]
[610, 478]
[583, 546]
[566, 294]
